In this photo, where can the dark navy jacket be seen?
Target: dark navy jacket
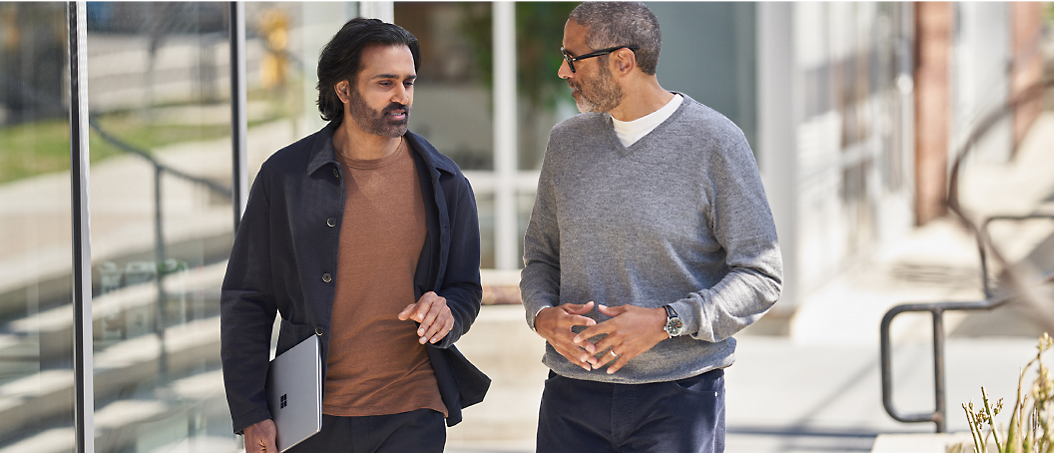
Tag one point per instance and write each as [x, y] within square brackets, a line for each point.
[284, 260]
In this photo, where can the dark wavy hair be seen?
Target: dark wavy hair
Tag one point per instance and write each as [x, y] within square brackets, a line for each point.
[612, 24]
[340, 59]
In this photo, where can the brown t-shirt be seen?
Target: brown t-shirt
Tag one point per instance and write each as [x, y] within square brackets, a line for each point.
[376, 365]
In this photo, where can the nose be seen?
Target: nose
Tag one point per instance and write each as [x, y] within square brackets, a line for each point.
[565, 70]
[402, 94]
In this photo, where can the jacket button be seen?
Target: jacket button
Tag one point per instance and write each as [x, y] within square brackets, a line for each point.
[331, 222]
[318, 331]
[336, 174]
[326, 277]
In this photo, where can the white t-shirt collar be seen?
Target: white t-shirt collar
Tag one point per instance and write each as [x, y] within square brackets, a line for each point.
[630, 131]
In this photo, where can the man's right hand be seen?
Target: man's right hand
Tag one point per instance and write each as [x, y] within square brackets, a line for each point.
[260, 437]
[555, 323]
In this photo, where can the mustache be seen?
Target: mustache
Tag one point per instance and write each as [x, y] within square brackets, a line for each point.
[395, 106]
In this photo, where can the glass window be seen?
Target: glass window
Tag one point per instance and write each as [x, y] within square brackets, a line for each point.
[709, 53]
[452, 96]
[161, 222]
[544, 98]
[36, 315]
[485, 208]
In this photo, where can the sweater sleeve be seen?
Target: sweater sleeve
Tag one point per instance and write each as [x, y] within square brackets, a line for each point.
[540, 278]
[742, 223]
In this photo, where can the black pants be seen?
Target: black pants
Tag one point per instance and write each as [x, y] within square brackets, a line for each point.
[685, 416]
[423, 430]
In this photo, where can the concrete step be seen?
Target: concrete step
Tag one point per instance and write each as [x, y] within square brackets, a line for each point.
[165, 423]
[922, 443]
[126, 367]
[122, 314]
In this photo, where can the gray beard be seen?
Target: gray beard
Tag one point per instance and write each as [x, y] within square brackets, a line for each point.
[604, 94]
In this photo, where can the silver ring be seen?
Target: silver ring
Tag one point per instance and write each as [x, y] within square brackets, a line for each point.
[613, 353]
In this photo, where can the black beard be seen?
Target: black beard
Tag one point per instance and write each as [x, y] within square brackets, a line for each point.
[377, 123]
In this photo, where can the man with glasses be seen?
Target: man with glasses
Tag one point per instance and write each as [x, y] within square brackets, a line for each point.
[364, 235]
[651, 243]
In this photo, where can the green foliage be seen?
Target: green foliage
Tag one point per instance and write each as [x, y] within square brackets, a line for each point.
[34, 148]
[1030, 429]
[539, 32]
[41, 147]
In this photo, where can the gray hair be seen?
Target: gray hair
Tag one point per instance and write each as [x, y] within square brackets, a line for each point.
[611, 24]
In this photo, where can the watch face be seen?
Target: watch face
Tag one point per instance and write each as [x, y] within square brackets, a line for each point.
[674, 326]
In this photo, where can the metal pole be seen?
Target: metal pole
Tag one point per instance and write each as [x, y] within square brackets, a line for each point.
[159, 259]
[239, 126]
[940, 414]
[83, 403]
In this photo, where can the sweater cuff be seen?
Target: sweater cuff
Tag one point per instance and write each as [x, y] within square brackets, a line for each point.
[531, 317]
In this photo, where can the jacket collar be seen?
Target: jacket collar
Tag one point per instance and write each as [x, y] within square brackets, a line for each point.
[323, 153]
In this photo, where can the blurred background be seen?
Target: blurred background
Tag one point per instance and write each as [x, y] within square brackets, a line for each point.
[855, 111]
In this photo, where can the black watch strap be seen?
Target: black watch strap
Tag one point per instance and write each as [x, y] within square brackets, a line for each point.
[674, 326]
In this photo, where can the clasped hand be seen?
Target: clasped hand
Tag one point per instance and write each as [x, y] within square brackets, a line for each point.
[631, 331]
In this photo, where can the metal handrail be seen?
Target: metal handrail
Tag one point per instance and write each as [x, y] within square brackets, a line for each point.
[940, 411]
[937, 309]
[981, 248]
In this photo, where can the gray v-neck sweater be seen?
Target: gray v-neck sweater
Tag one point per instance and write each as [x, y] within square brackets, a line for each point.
[679, 217]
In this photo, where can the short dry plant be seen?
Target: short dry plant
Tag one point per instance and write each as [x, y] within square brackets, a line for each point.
[1031, 428]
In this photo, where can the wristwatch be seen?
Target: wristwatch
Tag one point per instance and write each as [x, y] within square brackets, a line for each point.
[674, 326]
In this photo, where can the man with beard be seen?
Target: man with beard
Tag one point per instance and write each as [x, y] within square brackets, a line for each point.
[366, 236]
[651, 243]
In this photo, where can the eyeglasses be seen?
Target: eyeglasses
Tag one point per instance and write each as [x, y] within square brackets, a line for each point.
[571, 60]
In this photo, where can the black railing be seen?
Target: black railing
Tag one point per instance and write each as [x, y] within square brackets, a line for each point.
[1019, 288]
[937, 310]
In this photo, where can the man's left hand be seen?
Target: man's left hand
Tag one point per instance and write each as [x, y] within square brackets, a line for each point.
[631, 331]
[433, 315]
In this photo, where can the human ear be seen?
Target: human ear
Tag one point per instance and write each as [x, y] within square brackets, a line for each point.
[625, 60]
[341, 88]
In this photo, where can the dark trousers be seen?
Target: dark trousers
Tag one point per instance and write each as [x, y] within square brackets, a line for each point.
[685, 416]
[423, 430]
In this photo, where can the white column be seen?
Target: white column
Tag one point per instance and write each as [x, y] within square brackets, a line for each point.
[239, 125]
[384, 11]
[505, 138]
[779, 107]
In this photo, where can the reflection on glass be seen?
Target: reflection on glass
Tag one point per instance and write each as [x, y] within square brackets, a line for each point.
[161, 223]
[36, 316]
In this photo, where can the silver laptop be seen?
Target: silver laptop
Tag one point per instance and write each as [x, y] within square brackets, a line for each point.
[294, 393]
